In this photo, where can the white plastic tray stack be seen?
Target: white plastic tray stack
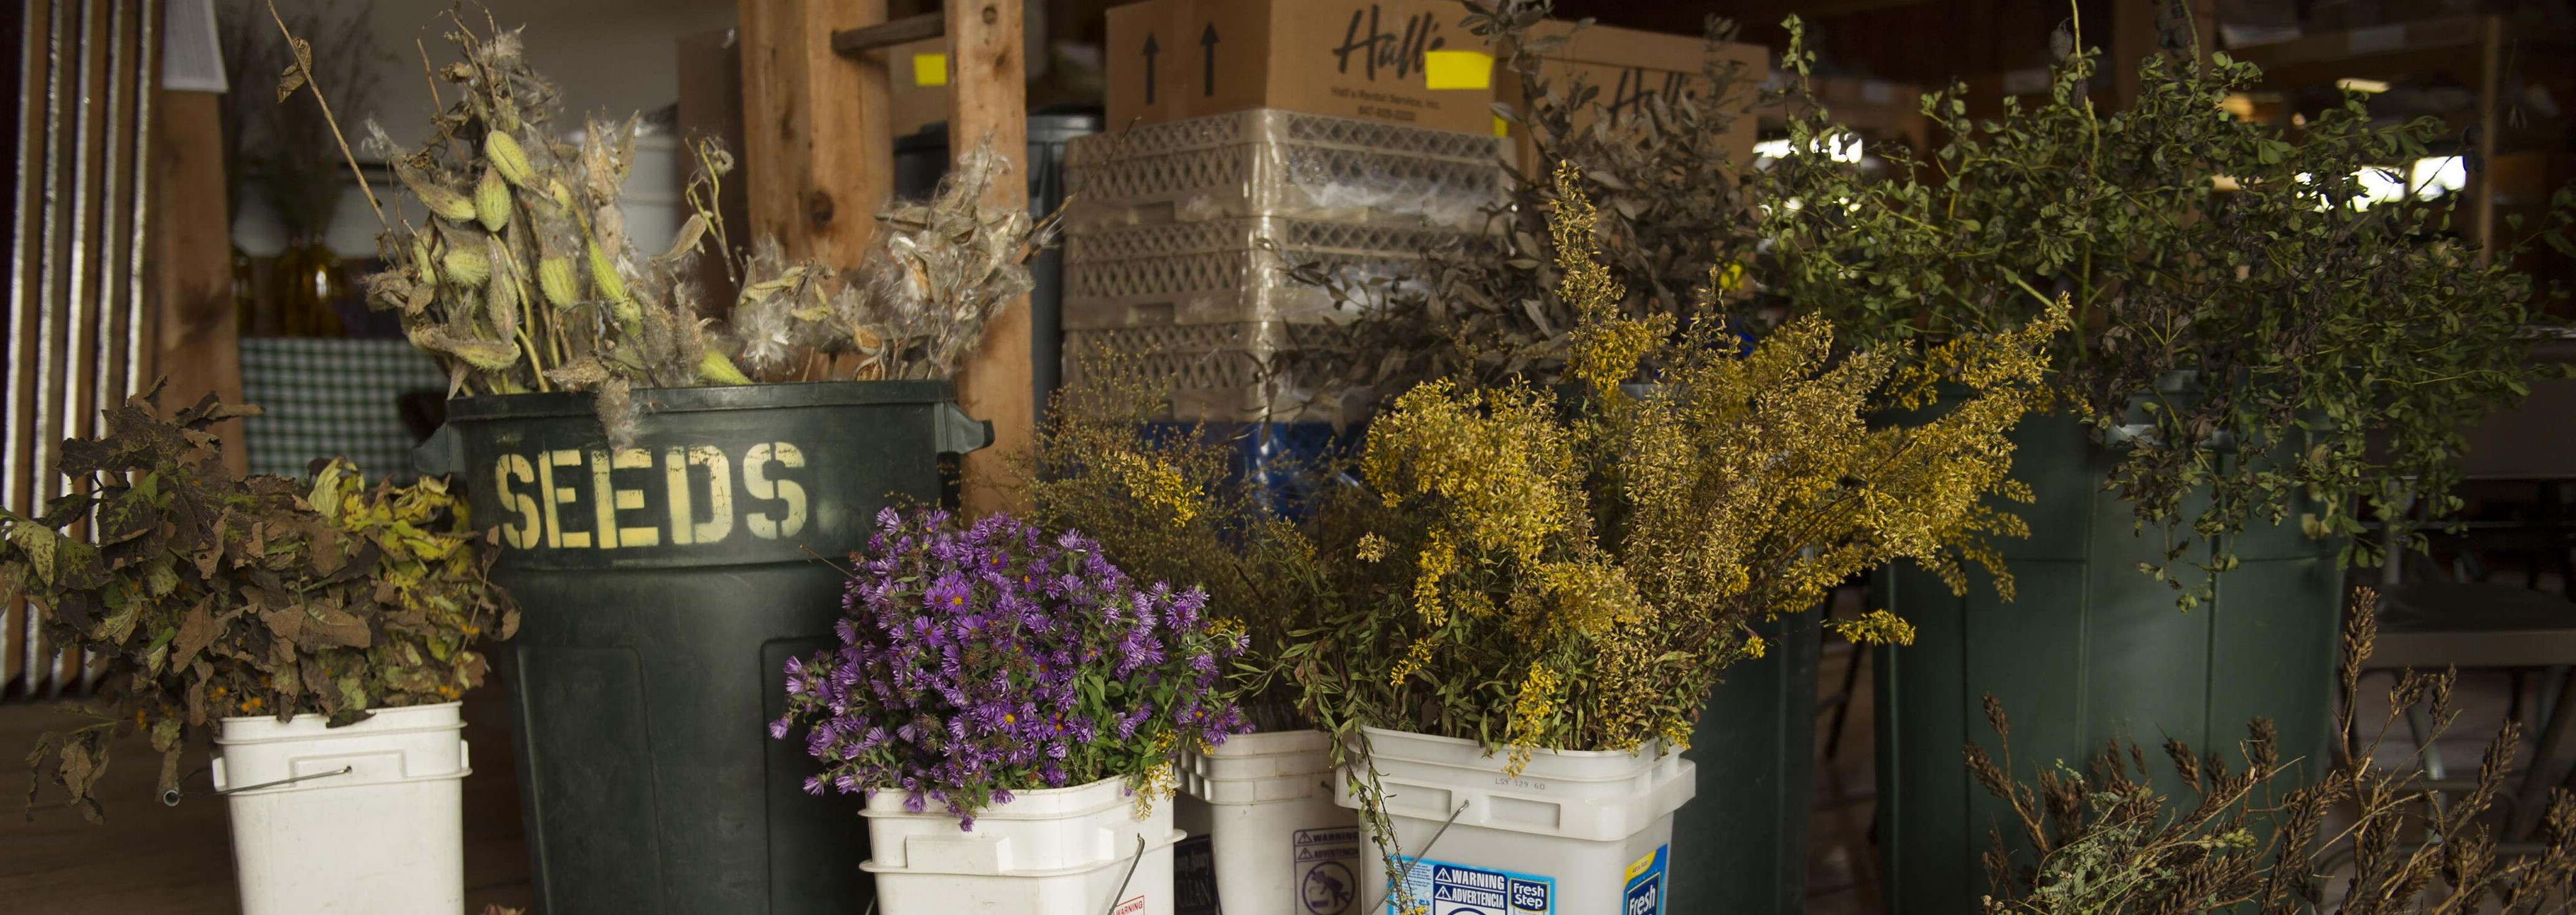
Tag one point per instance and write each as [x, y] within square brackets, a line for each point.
[1179, 237]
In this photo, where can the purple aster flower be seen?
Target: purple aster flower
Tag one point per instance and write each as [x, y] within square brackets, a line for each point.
[979, 660]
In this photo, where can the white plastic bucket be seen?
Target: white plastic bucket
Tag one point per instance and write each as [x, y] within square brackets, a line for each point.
[1056, 851]
[1572, 834]
[1281, 845]
[385, 837]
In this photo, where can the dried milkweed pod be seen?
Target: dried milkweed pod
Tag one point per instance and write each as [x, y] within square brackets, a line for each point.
[492, 201]
[506, 157]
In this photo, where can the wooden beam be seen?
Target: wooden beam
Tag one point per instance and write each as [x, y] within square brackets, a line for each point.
[817, 157]
[2400, 53]
[990, 106]
[1812, 12]
[2490, 111]
[852, 42]
[191, 339]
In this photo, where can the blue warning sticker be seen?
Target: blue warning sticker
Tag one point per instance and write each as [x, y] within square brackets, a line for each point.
[1460, 889]
[1644, 894]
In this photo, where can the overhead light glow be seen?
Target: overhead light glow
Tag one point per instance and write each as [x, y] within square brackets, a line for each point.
[1840, 147]
[2378, 185]
[2363, 86]
[1843, 147]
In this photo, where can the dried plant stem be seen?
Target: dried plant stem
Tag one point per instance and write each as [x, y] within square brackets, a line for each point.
[304, 65]
[702, 194]
[536, 358]
[2107, 842]
[429, 73]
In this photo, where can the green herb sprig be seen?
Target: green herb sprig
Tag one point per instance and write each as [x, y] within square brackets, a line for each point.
[2253, 332]
[204, 595]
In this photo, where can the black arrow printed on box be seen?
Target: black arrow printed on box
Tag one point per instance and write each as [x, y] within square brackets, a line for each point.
[1207, 41]
[1151, 49]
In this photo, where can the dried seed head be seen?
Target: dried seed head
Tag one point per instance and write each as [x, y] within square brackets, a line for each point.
[467, 267]
[714, 368]
[503, 294]
[439, 198]
[421, 261]
[603, 273]
[504, 152]
[555, 280]
[492, 201]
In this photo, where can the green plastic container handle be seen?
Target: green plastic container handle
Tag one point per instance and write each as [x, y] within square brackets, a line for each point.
[958, 433]
[443, 455]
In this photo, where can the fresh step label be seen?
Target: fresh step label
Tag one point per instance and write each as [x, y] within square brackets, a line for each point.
[1459, 889]
[1327, 869]
[1645, 890]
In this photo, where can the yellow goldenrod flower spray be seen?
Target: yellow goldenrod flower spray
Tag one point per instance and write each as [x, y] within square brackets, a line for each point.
[1572, 570]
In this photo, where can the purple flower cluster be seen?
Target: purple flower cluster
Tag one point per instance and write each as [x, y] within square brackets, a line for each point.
[993, 658]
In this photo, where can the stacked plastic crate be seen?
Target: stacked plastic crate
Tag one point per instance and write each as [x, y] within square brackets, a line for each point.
[1179, 238]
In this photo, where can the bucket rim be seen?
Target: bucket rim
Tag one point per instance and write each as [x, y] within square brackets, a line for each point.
[781, 395]
[1170, 839]
[391, 719]
[1653, 750]
[1077, 800]
[1297, 742]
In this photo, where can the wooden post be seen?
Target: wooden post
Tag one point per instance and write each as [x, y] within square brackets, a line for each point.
[2482, 167]
[191, 335]
[817, 155]
[990, 105]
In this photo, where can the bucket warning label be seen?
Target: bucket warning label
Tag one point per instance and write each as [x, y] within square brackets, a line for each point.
[1327, 870]
[1133, 905]
[1644, 894]
[1460, 889]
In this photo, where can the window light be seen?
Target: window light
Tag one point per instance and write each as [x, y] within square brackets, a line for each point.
[2434, 176]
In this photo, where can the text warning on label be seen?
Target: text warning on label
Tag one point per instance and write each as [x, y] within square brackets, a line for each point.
[1327, 870]
[1459, 889]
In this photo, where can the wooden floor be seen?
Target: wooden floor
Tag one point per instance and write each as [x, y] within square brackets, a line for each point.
[155, 859]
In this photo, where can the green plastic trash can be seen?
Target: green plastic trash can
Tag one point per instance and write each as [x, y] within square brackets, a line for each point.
[662, 588]
[2091, 650]
[1740, 845]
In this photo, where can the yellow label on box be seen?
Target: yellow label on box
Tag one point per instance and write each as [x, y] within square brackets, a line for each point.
[930, 69]
[1502, 128]
[1457, 70]
[1640, 865]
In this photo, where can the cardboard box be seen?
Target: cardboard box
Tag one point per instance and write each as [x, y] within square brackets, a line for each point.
[1402, 62]
[917, 78]
[1629, 66]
